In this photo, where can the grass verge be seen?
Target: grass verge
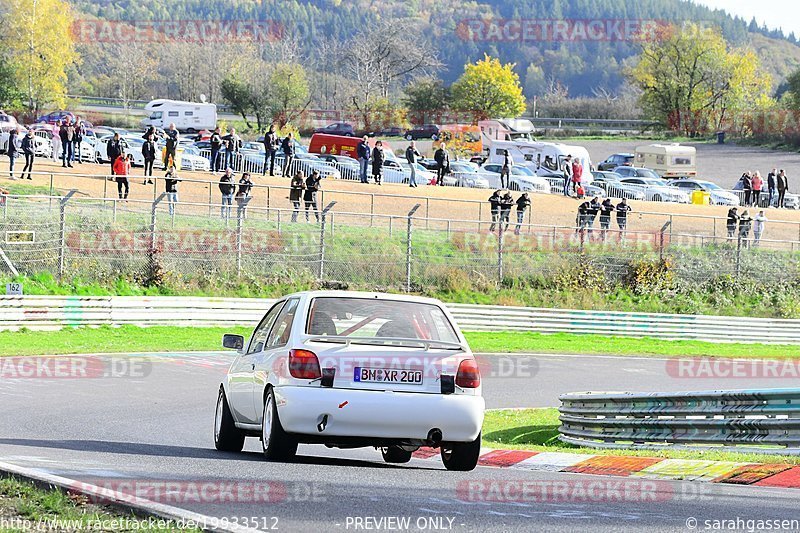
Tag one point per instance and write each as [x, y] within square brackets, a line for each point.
[131, 339]
[24, 507]
[537, 429]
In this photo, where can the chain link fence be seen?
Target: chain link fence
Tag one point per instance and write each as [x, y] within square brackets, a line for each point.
[169, 241]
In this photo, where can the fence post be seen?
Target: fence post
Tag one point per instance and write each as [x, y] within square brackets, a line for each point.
[738, 255]
[321, 271]
[500, 232]
[51, 190]
[409, 247]
[209, 200]
[371, 208]
[268, 189]
[62, 225]
[153, 221]
[427, 212]
[668, 224]
[390, 226]
[279, 221]
[240, 212]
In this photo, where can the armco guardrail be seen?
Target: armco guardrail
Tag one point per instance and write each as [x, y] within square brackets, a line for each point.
[763, 421]
[52, 312]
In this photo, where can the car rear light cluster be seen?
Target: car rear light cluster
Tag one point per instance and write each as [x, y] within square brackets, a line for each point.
[468, 376]
[304, 364]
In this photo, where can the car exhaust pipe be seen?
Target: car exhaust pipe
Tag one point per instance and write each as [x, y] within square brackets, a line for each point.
[434, 437]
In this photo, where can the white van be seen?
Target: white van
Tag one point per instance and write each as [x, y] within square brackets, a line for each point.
[668, 160]
[543, 158]
[187, 116]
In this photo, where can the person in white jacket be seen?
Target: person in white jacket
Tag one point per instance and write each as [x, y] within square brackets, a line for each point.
[758, 226]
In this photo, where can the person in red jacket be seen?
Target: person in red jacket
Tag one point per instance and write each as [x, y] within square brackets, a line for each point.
[122, 167]
[577, 172]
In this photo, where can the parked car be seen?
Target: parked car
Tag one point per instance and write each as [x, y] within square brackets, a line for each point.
[42, 147]
[102, 142]
[633, 172]
[349, 168]
[423, 175]
[426, 131]
[611, 183]
[348, 369]
[616, 160]
[56, 117]
[521, 178]
[191, 159]
[391, 131]
[337, 128]
[718, 195]
[657, 190]
[465, 174]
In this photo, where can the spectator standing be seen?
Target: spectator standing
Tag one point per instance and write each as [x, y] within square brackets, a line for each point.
[122, 168]
[310, 194]
[363, 152]
[378, 157]
[494, 204]
[567, 171]
[287, 146]
[114, 151]
[732, 221]
[29, 151]
[149, 154]
[227, 188]
[13, 148]
[270, 147]
[172, 140]
[747, 187]
[745, 223]
[80, 131]
[757, 184]
[606, 208]
[771, 185]
[759, 223]
[505, 172]
[523, 203]
[442, 158]
[506, 203]
[577, 173]
[232, 145]
[242, 195]
[591, 214]
[582, 219]
[171, 180]
[216, 145]
[622, 217]
[151, 130]
[67, 134]
[296, 193]
[411, 156]
[783, 186]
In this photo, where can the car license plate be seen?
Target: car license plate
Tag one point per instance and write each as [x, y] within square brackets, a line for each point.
[387, 375]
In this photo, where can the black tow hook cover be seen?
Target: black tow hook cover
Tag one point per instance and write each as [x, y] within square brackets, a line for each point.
[327, 377]
[448, 384]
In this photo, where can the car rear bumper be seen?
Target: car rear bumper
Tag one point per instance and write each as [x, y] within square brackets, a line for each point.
[380, 415]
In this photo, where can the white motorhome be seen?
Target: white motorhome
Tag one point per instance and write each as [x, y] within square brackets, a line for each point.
[187, 116]
[544, 158]
[506, 129]
[668, 160]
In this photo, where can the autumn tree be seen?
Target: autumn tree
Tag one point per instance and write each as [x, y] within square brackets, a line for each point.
[489, 88]
[38, 44]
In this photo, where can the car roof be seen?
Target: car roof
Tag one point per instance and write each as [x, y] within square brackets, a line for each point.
[365, 295]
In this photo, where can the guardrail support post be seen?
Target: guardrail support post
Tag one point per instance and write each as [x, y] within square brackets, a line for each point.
[153, 221]
[668, 224]
[500, 232]
[321, 271]
[62, 226]
[409, 246]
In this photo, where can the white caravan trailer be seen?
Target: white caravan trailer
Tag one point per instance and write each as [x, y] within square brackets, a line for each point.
[187, 116]
[544, 158]
[668, 160]
[506, 129]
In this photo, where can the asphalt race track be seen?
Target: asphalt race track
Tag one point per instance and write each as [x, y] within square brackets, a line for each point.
[155, 425]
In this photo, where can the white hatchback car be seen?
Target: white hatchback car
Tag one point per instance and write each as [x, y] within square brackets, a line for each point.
[350, 369]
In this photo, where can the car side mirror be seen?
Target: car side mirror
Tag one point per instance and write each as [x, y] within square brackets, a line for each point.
[234, 342]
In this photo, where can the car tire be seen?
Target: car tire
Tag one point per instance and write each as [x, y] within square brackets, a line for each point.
[434, 137]
[227, 437]
[409, 137]
[395, 454]
[275, 442]
[461, 456]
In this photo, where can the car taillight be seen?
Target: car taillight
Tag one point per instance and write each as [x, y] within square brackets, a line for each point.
[304, 364]
[468, 376]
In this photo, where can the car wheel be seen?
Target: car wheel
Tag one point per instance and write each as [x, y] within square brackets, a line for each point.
[227, 437]
[275, 442]
[395, 454]
[409, 137]
[434, 137]
[461, 456]
[656, 197]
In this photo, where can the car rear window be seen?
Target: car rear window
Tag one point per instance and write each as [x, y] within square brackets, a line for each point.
[374, 318]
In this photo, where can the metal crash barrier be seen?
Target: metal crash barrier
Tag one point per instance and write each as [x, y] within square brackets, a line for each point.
[757, 421]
